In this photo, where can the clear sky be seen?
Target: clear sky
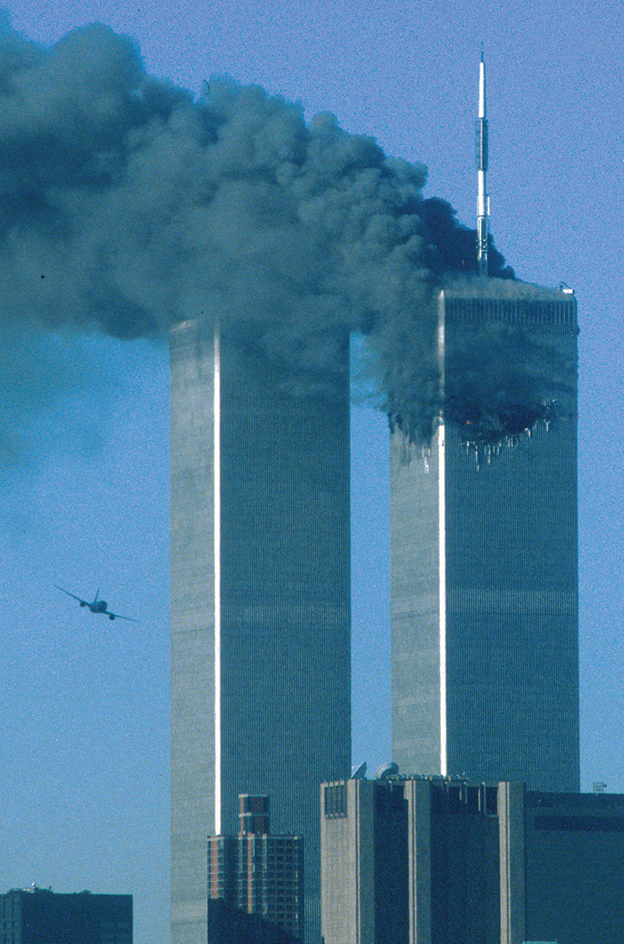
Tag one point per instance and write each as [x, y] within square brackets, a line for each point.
[84, 702]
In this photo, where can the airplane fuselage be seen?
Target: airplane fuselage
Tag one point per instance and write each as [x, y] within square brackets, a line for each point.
[97, 606]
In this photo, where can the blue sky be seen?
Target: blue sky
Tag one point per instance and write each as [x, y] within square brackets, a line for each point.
[84, 702]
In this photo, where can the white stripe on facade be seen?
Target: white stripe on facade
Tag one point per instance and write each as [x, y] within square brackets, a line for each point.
[217, 578]
[442, 590]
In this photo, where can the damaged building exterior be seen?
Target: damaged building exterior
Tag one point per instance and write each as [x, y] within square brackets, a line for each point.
[260, 602]
[484, 565]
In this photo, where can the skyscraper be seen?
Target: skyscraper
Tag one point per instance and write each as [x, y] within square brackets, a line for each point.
[484, 571]
[260, 611]
[484, 553]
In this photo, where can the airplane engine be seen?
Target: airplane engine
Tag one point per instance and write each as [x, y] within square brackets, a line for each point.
[82, 604]
[110, 616]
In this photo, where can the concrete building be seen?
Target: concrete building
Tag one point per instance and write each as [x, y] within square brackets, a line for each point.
[364, 864]
[41, 916]
[260, 601]
[258, 873]
[440, 861]
[484, 564]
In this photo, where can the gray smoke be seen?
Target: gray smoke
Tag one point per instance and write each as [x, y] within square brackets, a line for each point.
[126, 205]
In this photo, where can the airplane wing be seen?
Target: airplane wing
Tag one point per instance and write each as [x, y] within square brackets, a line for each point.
[117, 616]
[80, 600]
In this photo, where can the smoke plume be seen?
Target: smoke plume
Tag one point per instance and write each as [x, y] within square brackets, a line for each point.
[126, 205]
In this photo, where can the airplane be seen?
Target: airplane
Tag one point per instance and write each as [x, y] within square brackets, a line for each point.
[98, 606]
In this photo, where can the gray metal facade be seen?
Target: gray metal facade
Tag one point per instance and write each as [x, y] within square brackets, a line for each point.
[484, 584]
[471, 863]
[260, 609]
[364, 863]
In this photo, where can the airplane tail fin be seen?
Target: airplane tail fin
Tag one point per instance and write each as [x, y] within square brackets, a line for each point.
[97, 595]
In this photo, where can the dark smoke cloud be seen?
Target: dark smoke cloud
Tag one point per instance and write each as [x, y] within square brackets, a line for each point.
[455, 244]
[126, 206]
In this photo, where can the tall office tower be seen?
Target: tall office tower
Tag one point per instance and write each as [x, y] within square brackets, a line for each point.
[260, 609]
[484, 568]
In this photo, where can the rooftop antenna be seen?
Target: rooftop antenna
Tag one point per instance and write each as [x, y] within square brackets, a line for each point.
[483, 201]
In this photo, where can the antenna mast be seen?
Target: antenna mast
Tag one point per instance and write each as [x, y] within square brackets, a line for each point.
[483, 201]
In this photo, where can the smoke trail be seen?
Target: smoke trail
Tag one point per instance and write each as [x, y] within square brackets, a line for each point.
[126, 206]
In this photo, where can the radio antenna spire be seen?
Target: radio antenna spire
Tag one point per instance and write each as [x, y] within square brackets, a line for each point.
[483, 200]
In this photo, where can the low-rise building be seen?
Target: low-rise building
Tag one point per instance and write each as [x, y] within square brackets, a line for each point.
[41, 916]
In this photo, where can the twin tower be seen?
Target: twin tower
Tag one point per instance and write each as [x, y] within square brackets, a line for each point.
[484, 594]
[484, 582]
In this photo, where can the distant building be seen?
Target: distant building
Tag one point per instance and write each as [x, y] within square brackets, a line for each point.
[41, 916]
[484, 558]
[257, 874]
[440, 861]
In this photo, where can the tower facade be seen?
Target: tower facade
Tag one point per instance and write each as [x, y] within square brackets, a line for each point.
[260, 611]
[484, 574]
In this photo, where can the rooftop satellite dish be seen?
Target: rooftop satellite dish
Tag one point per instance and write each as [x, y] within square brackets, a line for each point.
[387, 770]
[359, 773]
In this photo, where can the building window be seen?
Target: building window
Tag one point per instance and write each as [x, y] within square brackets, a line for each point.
[335, 800]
